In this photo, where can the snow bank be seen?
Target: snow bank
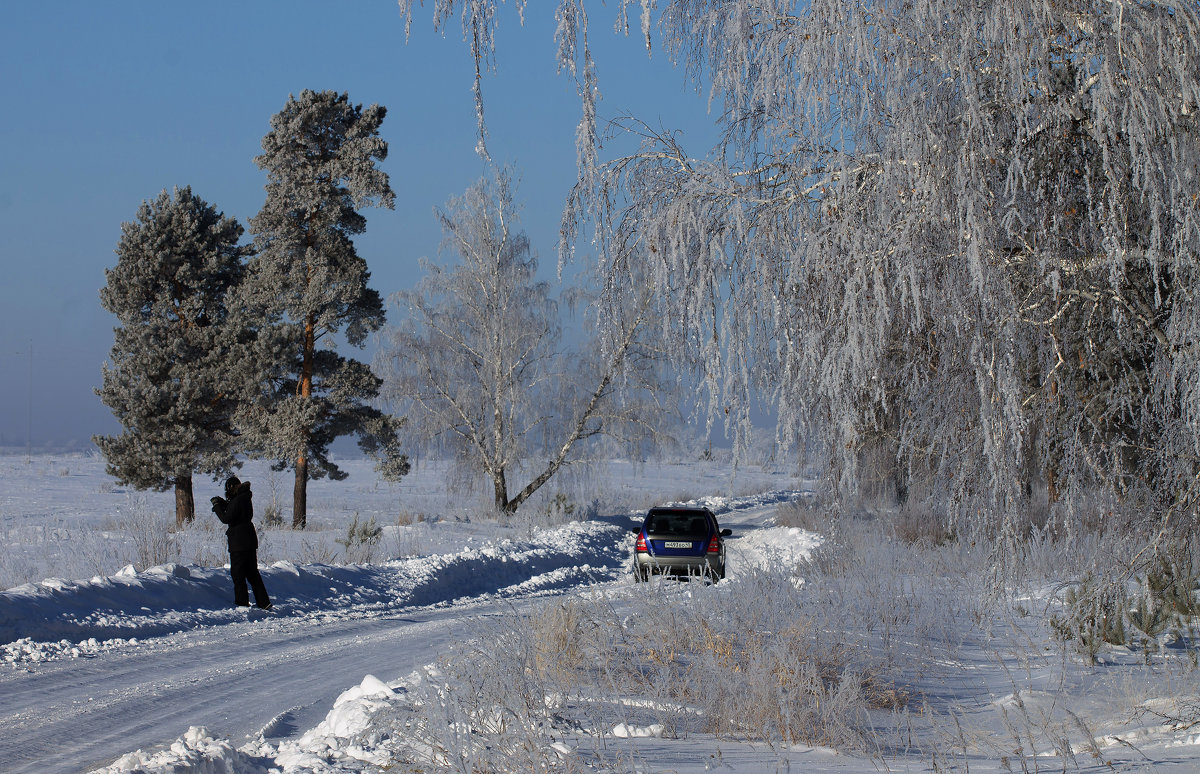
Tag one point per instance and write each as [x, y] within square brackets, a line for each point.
[58, 618]
[196, 752]
[339, 743]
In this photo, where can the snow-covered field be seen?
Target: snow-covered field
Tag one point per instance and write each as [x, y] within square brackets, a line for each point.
[377, 655]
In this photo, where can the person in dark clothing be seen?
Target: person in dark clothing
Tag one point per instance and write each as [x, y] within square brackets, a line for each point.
[236, 510]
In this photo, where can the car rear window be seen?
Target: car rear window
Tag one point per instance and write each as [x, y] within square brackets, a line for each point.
[677, 523]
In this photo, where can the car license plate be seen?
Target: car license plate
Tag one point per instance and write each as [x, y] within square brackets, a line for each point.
[677, 544]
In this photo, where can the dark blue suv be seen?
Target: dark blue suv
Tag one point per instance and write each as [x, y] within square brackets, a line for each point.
[680, 540]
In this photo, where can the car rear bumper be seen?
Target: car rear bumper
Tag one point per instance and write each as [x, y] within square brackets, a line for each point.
[709, 564]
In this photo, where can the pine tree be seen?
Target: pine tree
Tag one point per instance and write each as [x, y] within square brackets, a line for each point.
[308, 283]
[170, 382]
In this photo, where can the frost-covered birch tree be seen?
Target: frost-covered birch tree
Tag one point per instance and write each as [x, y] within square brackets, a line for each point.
[960, 239]
[309, 284]
[478, 366]
[172, 381]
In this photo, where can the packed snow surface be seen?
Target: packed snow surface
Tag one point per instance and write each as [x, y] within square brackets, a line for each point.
[153, 670]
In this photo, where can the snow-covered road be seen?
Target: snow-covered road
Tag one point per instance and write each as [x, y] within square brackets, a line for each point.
[78, 702]
[237, 679]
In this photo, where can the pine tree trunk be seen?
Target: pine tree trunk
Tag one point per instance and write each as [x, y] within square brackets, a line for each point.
[185, 504]
[300, 490]
[300, 494]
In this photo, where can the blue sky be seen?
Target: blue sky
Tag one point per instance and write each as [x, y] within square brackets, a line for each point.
[109, 103]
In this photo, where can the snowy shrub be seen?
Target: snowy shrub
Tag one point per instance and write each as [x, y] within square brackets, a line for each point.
[272, 515]
[921, 522]
[153, 537]
[560, 633]
[743, 660]
[1094, 615]
[317, 551]
[1123, 608]
[482, 714]
[203, 543]
[807, 513]
[361, 540]
[272, 510]
[14, 569]
[1173, 583]
[405, 518]
[763, 664]
[1180, 714]
[560, 508]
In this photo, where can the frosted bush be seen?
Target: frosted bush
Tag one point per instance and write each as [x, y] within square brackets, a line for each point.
[746, 661]
[153, 537]
[361, 540]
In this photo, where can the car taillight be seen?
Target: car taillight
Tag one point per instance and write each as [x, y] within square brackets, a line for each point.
[641, 543]
[714, 545]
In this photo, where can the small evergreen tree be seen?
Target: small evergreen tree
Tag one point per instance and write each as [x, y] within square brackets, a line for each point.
[170, 383]
[308, 283]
